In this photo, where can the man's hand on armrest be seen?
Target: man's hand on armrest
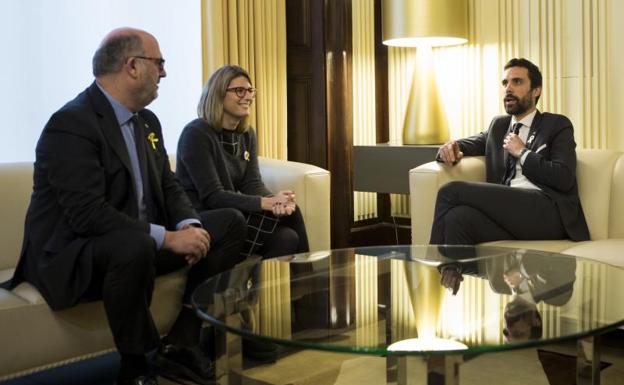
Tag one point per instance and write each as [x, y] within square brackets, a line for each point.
[450, 153]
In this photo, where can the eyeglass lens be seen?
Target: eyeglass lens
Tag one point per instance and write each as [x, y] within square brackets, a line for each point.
[242, 91]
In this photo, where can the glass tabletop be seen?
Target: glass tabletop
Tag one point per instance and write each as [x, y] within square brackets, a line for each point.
[404, 300]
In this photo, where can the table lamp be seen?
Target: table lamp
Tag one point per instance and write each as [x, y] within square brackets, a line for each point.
[424, 24]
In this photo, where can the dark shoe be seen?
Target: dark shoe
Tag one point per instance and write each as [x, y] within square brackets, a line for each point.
[190, 363]
[141, 380]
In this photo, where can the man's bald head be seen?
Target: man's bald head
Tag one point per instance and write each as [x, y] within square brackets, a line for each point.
[116, 47]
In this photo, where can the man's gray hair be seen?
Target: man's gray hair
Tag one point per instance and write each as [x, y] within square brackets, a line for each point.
[111, 55]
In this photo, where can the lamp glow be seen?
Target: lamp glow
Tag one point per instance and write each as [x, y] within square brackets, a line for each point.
[427, 344]
[424, 24]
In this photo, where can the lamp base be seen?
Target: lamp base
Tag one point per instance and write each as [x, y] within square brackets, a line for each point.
[425, 121]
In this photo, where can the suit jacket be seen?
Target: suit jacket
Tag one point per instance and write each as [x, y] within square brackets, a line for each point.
[84, 188]
[552, 168]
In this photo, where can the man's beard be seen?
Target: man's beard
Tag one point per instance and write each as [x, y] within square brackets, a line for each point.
[522, 105]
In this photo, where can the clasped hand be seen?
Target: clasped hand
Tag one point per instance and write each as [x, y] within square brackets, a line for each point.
[192, 242]
[513, 278]
[282, 203]
[513, 144]
[451, 278]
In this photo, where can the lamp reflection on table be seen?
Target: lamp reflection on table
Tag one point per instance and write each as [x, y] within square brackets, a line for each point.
[426, 344]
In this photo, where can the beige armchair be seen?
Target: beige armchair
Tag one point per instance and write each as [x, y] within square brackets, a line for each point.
[600, 175]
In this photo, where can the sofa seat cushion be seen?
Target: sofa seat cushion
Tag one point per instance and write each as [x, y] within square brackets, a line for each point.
[9, 300]
[610, 251]
[90, 315]
[165, 306]
[553, 246]
[29, 293]
[78, 332]
[6, 274]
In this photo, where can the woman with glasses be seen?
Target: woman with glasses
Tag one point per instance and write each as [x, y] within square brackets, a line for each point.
[217, 163]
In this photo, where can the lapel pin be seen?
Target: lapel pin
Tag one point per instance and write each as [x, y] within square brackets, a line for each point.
[246, 156]
[153, 139]
[531, 139]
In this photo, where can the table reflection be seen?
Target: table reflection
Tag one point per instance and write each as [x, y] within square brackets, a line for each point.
[366, 299]
[529, 278]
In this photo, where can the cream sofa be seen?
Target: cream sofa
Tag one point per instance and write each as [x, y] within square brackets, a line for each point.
[600, 176]
[35, 338]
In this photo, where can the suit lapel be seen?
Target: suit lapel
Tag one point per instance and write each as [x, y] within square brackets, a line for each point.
[504, 129]
[110, 126]
[533, 132]
[152, 165]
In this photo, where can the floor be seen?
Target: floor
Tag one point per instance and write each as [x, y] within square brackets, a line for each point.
[518, 367]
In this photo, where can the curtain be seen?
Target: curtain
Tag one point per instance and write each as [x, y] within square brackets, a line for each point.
[252, 34]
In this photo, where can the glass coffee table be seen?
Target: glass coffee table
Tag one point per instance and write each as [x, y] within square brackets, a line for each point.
[426, 309]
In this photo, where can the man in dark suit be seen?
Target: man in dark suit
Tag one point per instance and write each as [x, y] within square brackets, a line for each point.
[107, 214]
[531, 190]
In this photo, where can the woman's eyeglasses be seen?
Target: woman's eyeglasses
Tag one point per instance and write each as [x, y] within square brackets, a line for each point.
[242, 91]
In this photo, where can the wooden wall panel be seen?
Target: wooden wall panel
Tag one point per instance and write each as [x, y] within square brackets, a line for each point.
[307, 127]
[338, 57]
[320, 119]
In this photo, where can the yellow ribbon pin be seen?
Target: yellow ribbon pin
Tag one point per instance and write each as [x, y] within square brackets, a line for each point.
[246, 156]
[153, 139]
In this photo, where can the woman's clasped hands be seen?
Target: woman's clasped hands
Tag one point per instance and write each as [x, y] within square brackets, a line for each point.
[283, 203]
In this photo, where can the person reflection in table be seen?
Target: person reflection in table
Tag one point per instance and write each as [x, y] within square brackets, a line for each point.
[531, 278]
[522, 321]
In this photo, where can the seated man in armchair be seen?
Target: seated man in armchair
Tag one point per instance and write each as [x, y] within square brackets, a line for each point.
[531, 190]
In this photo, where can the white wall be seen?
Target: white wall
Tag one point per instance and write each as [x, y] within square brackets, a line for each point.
[47, 48]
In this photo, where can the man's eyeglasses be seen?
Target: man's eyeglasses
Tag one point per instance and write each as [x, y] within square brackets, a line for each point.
[160, 62]
[242, 91]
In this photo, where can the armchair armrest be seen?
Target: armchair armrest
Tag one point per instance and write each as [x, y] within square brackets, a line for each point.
[424, 183]
[311, 185]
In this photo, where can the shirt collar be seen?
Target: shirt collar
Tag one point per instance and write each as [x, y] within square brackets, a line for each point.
[526, 121]
[122, 113]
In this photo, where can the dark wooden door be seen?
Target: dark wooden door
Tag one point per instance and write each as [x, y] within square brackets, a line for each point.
[320, 121]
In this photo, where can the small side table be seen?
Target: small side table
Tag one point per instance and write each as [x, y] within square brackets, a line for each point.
[384, 167]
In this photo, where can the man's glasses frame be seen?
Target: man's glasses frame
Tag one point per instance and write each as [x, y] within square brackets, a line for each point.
[160, 62]
[242, 91]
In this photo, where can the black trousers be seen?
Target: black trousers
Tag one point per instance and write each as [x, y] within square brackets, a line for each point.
[270, 237]
[468, 213]
[127, 262]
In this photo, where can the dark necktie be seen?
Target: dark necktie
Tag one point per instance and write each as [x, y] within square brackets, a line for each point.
[139, 141]
[510, 164]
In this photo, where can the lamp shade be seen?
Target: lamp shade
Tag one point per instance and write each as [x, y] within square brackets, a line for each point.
[412, 23]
